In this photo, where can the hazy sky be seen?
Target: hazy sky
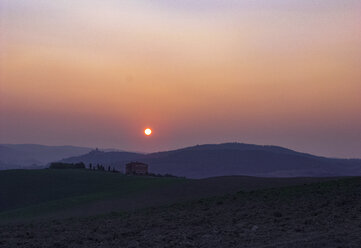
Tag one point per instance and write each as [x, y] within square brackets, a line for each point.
[97, 72]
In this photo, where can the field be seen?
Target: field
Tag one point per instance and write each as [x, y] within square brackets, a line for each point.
[34, 194]
[318, 214]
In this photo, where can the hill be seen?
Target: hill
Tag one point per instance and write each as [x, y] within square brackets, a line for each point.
[324, 214]
[212, 160]
[15, 156]
[12, 158]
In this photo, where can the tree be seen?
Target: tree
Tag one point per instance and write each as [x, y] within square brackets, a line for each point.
[59, 165]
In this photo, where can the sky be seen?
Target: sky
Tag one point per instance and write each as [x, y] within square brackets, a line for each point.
[98, 72]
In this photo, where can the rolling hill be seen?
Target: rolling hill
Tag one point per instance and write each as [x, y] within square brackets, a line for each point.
[226, 159]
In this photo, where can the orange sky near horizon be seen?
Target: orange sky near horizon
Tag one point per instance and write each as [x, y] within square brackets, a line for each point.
[96, 73]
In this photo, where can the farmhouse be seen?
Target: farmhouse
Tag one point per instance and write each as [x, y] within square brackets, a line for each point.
[136, 168]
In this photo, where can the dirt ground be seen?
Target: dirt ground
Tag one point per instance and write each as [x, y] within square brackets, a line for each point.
[326, 214]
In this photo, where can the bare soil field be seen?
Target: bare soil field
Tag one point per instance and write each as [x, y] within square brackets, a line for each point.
[324, 214]
[181, 191]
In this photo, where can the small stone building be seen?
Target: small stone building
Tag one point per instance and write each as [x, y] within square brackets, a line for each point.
[136, 168]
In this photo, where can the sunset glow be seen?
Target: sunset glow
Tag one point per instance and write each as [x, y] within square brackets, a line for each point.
[267, 72]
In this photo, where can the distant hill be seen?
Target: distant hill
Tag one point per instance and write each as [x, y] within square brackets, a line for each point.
[211, 160]
[13, 156]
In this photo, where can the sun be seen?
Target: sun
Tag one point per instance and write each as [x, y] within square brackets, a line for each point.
[148, 131]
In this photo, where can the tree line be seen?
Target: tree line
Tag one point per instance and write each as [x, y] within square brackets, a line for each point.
[81, 165]
[101, 167]
[97, 167]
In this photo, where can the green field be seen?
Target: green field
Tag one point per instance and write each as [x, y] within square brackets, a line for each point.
[28, 193]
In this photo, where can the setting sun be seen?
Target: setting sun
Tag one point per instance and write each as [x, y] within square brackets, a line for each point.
[148, 131]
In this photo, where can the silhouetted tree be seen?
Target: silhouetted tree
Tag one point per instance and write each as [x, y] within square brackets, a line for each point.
[100, 167]
[59, 165]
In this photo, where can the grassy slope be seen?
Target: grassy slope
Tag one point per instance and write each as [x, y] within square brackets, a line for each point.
[26, 194]
[32, 192]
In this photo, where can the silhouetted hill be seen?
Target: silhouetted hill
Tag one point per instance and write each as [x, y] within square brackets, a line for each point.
[211, 160]
[14, 156]
[207, 163]
[238, 147]
[11, 158]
